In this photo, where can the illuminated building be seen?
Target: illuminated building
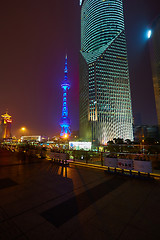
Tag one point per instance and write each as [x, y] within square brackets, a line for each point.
[65, 121]
[155, 62]
[6, 121]
[105, 98]
[31, 138]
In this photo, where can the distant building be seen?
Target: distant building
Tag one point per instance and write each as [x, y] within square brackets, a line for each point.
[105, 98]
[5, 126]
[144, 132]
[155, 61]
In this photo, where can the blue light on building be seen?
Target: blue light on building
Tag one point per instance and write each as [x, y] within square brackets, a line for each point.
[149, 34]
[65, 121]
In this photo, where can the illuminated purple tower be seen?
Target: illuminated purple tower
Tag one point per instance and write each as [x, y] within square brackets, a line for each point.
[65, 121]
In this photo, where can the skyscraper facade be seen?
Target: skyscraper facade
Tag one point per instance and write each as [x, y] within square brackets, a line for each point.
[155, 62]
[105, 98]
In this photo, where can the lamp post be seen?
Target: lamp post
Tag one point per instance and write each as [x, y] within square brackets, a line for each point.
[23, 130]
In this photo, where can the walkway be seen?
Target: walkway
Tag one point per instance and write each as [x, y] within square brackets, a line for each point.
[39, 200]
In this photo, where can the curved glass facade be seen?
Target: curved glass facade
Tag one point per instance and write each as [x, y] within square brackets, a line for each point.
[101, 21]
[105, 99]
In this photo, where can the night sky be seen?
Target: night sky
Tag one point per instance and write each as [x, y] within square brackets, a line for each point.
[35, 36]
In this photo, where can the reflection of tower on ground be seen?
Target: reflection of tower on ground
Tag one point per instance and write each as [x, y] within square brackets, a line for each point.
[56, 169]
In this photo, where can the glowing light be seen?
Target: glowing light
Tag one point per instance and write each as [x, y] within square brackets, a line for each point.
[6, 115]
[23, 129]
[9, 121]
[149, 34]
[80, 3]
[65, 136]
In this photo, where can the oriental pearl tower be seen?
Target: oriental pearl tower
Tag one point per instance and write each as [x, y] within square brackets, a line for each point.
[65, 121]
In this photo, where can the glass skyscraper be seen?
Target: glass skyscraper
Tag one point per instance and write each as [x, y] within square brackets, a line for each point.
[105, 99]
[155, 62]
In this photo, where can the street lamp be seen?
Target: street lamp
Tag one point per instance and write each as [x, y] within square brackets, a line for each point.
[23, 129]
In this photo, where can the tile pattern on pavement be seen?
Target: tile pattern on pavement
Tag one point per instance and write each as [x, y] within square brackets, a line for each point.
[109, 207]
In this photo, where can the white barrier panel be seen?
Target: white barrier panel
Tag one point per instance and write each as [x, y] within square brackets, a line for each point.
[125, 164]
[58, 156]
[110, 162]
[143, 166]
[50, 154]
[80, 145]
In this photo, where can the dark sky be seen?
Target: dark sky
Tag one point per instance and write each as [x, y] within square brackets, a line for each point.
[35, 36]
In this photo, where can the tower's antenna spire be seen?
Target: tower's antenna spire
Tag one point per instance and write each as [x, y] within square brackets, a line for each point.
[65, 69]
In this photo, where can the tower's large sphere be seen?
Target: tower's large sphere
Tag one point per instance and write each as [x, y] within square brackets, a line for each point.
[64, 122]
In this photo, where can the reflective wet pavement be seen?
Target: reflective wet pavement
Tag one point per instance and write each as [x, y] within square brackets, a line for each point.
[40, 200]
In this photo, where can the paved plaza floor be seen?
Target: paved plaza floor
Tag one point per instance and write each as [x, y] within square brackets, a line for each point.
[40, 200]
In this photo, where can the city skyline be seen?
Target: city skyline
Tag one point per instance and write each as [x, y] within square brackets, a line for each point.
[105, 99]
[34, 39]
